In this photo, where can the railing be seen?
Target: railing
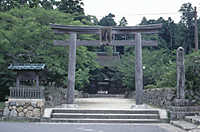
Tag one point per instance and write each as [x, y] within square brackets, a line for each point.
[27, 93]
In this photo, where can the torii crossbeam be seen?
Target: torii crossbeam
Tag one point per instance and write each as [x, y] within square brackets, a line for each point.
[105, 34]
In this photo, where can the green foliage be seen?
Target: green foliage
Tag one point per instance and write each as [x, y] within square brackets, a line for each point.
[168, 78]
[187, 22]
[108, 20]
[109, 50]
[66, 6]
[187, 14]
[2, 105]
[26, 37]
[126, 68]
[71, 6]
[123, 22]
[6, 5]
[155, 64]
[192, 70]
[150, 86]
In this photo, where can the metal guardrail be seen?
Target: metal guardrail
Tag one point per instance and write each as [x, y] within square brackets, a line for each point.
[27, 93]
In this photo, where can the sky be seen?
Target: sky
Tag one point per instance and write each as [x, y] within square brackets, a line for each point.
[135, 10]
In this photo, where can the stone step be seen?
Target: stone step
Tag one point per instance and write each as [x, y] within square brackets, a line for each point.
[131, 111]
[193, 119]
[104, 116]
[184, 125]
[71, 120]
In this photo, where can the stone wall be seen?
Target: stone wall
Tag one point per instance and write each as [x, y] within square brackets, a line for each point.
[56, 96]
[179, 112]
[25, 108]
[166, 98]
[161, 97]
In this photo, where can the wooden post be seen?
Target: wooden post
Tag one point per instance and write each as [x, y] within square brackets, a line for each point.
[138, 70]
[71, 68]
[17, 80]
[37, 80]
[180, 73]
[196, 31]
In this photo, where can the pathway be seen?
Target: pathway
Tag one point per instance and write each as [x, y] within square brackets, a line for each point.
[104, 103]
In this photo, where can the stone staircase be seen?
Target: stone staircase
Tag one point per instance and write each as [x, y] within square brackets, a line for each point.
[104, 116]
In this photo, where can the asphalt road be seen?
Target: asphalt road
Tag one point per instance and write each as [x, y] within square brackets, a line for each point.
[67, 127]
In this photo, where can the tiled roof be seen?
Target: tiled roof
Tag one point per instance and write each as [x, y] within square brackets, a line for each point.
[26, 67]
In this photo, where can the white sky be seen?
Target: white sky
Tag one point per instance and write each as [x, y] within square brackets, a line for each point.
[134, 10]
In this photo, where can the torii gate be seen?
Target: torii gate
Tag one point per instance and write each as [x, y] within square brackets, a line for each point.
[105, 34]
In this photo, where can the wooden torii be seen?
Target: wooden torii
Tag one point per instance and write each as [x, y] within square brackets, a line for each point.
[105, 38]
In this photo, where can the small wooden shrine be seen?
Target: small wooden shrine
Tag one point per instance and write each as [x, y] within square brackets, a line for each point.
[27, 74]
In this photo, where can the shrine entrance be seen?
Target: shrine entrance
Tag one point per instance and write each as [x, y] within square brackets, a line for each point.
[106, 37]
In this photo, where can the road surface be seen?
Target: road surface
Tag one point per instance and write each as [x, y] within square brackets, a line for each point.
[67, 127]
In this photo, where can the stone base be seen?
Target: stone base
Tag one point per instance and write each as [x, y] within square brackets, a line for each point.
[69, 106]
[177, 112]
[180, 102]
[28, 108]
[143, 106]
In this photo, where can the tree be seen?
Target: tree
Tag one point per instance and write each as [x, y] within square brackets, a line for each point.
[25, 37]
[123, 22]
[71, 6]
[153, 67]
[48, 4]
[187, 19]
[144, 21]
[108, 20]
[6, 5]
[168, 34]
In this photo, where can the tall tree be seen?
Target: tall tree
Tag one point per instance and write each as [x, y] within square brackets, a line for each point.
[108, 20]
[25, 37]
[187, 20]
[71, 6]
[123, 22]
[6, 5]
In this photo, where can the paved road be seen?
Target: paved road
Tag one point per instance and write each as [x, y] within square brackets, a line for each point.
[66, 127]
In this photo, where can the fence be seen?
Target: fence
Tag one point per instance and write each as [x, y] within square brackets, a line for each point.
[27, 93]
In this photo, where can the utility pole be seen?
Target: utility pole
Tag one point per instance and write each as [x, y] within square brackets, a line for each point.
[196, 30]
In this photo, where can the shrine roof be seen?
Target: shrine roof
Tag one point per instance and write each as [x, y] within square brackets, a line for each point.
[27, 66]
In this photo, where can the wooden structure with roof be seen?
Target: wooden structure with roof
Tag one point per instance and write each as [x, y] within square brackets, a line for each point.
[106, 37]
[27, 72]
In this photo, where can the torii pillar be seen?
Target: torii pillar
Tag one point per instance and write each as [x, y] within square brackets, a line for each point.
[71, 68]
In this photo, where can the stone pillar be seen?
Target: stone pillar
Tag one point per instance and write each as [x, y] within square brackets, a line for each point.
[180, 73]
[71, 68]
[138, 70]
[179, 104]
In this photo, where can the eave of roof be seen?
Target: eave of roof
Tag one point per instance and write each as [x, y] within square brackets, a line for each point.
[20, 67]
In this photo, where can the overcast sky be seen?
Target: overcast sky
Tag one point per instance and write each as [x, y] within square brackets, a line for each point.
[135, 10]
